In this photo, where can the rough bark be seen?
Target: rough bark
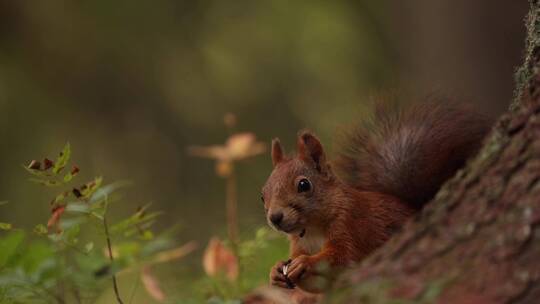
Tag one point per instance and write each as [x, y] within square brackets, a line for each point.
[478, 241]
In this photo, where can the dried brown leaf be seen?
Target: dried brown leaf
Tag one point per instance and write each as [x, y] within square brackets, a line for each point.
[219, 259]
[237, 147]
[55, 217]
[47, 164]
[35, 165]
[75, 170]
[224, 168]
[151, 284]
[243, 145]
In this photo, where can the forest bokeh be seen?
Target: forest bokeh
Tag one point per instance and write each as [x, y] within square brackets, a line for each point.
[132, 85]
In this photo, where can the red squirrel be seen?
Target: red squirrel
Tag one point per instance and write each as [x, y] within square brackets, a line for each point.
[337, 213]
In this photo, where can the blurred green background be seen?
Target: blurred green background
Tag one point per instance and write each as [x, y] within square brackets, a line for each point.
[132, 84]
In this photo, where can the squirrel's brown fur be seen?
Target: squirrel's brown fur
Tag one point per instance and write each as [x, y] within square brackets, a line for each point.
[409, 153]
[387, 168]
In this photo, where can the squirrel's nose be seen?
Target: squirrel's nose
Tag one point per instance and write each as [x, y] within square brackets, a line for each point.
[276, 218]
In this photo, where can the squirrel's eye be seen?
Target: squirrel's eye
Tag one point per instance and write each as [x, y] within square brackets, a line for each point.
[262, 199]
[304, 185]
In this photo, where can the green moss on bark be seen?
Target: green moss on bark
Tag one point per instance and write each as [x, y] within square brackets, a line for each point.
[532, 43]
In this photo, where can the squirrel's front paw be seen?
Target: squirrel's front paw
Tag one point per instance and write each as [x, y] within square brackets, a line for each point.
[299, 267]
[309, 274]
[277, 276]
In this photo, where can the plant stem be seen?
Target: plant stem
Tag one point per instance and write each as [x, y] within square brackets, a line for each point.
[109, 247]
[232, 208]
[77, 295]
[61, 284]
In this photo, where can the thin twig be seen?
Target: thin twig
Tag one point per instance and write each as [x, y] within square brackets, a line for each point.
[109, 247]
[135, 286]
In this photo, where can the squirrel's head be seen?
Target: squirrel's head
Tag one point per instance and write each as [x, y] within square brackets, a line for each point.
[295, 193]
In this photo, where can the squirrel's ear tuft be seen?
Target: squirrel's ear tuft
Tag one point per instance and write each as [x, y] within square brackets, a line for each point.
[311, 150]
[277, 152]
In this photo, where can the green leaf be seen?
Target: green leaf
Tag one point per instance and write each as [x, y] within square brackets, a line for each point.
[60, 197]
[68, 177]
[5, 226]
[36, 172]
[37, 259]
[98, 215]
[70, 223]
[62, 160]
[91, 187]
[127, 249]
[147, 235]
[107, 190]
[55, 237]
[78, 207]
[138, 218]
[9, 245]
[71, 233]
[40, 229]
[157, 244]
[89, 246]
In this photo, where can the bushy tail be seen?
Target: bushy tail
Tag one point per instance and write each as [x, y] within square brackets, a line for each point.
[410, 153]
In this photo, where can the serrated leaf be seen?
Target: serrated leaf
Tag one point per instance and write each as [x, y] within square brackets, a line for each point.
[5, 226]
[62, 160]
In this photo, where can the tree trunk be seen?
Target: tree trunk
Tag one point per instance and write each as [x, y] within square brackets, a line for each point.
[478, 241]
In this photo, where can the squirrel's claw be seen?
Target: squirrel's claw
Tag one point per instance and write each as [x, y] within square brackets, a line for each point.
[298, 267]
[278, 278]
